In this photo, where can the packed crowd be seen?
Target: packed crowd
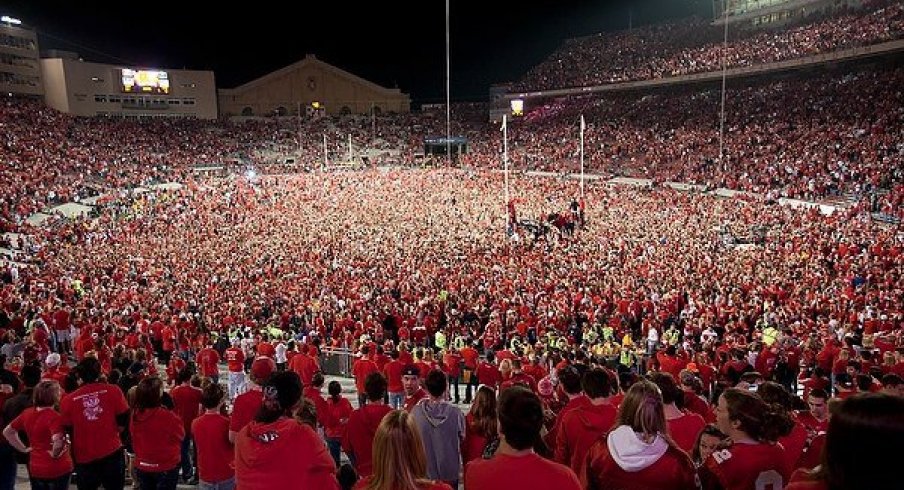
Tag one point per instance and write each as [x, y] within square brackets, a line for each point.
[414, 270]
[801, 138]
[696, 46]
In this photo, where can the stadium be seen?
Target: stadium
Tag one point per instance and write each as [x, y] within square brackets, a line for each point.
[667, 255]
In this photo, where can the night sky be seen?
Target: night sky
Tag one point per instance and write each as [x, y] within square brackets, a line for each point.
[395, 44]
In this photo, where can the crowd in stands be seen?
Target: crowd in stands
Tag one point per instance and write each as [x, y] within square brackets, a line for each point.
[695, 46]
[800, 138]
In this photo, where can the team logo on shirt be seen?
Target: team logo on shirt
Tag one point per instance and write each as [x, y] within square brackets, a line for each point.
[91, 405]
[268, 437]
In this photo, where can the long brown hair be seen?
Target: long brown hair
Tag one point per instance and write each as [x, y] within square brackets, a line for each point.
[483, 413]
[759, 420]
[399, 460]
[642, 410]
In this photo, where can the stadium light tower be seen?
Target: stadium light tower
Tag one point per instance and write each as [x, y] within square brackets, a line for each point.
[448, 96]
[724, 68]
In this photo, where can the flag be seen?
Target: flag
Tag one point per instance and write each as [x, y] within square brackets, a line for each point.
[582, 123]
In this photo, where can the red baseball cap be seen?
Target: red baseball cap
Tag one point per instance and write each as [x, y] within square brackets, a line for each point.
[262, 368]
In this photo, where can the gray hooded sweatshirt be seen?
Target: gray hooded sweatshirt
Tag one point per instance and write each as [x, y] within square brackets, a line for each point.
[442, 428]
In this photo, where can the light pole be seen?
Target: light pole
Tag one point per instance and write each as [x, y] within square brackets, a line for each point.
[448, 97]
[724, 70]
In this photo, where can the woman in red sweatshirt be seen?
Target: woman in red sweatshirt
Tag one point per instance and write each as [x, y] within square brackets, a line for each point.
[157, 435]
[277, 451]
[638, 453]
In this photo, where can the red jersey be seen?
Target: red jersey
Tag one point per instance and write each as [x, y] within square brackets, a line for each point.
[156, 439]
[187, 402]
[746, 467]
[359, 436]
[235, 360]
[363, 367]
[474, 442]
[794, 444]
[393, 373]
[91, 411]
[685, 429]
[263, 450]
[579, 430]
[305, 366]
[208, 360]
[529, 471]
[40, 426]
[266, 349]
[245, 408]
[488, 374]
[215, 453]
[469, 357]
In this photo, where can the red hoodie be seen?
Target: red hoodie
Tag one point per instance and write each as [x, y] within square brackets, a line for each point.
[623, 461]
[359, 436]
[284, 454]
[580, 429]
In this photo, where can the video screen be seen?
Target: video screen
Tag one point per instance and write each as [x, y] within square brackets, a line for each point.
[145, 81]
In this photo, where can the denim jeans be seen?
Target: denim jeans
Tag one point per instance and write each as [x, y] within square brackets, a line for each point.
[109, 472]
[186, 462]
[220, 485]
[335, 447]
[61, 483]
[397, 400]
[163, 480]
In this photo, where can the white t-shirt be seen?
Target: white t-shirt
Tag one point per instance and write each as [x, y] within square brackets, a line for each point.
[281, 352]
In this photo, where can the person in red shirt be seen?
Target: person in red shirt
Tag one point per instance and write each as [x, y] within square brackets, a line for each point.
[96, 414]
[209, 363]
[157, 435]
[710, 440]
[314, 394]
[266, 349]
[864, 443]
[305, 366]
[753, 460]
[684, 426]
[362, 425]
[452, 367]
[52, 370]
[569, 388]
[247, 404]
[393, 373]
[638, 454]
[235, 366]
[583, 426]
[469, 358]
[363, 368]
[487, 373]
[187, 405]
[210, 432]
[411, 380]
[339, 409]
[49, 465]
[515, 464]
[795, 441]
[400, 462]
[480, 425]
[277, 451]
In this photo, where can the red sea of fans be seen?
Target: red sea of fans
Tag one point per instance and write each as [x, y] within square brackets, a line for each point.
[671, 340]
